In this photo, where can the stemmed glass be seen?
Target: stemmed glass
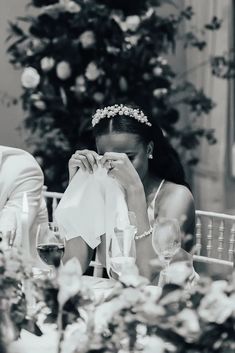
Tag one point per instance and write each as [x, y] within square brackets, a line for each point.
[50, 244]
[122, 252]
[166, 239]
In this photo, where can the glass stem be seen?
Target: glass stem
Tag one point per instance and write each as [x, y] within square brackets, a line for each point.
[166, 271]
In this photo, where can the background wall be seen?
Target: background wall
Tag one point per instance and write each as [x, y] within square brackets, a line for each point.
[10, 118]
[214, 189]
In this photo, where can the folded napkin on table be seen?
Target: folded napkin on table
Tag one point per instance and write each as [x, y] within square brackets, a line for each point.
[91, 206]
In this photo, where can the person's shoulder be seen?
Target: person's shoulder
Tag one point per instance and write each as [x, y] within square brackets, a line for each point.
[176, 191]
[23, 160]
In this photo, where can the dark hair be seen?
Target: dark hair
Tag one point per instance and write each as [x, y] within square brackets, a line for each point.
[165, 163]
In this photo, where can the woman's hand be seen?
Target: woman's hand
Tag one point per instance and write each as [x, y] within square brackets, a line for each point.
[85, 159]
[120, 167]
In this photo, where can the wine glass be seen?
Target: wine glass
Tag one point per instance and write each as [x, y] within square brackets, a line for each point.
[166, 239]
[122, 252]
[50, 244]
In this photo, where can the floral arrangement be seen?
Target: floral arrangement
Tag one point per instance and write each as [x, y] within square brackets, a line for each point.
[14, 274]
[131, 317]
[134, 317]
[80, 55]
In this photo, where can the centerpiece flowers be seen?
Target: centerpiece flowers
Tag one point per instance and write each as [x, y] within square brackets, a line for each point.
[132, 317]
[136, 317]
[14, 315]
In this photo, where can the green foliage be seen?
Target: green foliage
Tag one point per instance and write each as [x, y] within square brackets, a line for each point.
[79, 55]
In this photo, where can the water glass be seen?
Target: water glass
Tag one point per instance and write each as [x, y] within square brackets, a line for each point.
[166, 239]
[122, 252]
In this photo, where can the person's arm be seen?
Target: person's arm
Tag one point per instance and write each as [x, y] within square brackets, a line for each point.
[78, 248]
[27, 177]
[177, 204]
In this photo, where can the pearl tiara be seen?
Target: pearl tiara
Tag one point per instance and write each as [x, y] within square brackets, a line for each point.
[116, 110]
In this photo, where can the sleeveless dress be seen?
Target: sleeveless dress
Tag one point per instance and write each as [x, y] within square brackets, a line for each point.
[151, 206]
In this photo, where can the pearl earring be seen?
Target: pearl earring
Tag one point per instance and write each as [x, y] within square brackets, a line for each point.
[151, 156]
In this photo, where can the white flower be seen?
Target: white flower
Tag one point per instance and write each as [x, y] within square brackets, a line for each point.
[216, 306]
[157, 71]
[37, 101]
[187, 324]
[132, 22]
[63, 70]
[164, 62]
[153, 344]
[133, 40]
[159, 92]
[87, 39]
[69, 280]
[80, 81]
[92, 71]
[37, 44]
[30, 78]
[40, 105]
[161, 60]
[70, 6]
[179, 272]
[123, 84]
[76, 338]
[98, 97]
[78, 90]
[47, 63]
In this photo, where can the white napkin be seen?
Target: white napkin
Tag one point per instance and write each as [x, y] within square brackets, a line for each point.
[90, 207]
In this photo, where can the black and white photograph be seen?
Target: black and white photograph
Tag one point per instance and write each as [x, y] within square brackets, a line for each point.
[117, 176]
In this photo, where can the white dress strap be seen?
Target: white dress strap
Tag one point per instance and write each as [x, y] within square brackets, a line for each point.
[152, 204]
[157, 192]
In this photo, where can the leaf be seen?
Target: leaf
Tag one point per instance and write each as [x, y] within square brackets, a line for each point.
[15, 29]
[214, 25]
[51, 318]
[26, 18]
[187, 13]
[31, 326]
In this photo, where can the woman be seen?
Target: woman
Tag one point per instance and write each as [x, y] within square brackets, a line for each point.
[136, 153]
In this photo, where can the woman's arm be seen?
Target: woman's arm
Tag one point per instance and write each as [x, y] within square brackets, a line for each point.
[78, 248]
[136, 202]
[176, 202]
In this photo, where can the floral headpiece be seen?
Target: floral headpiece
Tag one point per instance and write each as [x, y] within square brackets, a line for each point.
[115, 110]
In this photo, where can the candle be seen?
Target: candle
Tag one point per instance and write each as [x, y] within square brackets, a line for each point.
[25, 228]
[30, 302]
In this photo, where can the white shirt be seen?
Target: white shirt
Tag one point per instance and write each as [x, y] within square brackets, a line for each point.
[19, 173]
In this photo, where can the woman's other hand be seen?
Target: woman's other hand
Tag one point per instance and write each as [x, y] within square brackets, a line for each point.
[85, 159]
[120, 167]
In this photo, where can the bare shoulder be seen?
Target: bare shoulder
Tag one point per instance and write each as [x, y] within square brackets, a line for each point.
[175, 192]
[176, 201]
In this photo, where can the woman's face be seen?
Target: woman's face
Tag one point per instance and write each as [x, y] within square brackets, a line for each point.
[127, 143]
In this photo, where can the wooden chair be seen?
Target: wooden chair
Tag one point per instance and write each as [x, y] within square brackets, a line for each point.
[52, 199]
[215, 238]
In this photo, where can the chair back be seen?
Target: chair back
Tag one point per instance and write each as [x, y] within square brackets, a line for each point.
[215, 235]
[215, 238]
[52, 199]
